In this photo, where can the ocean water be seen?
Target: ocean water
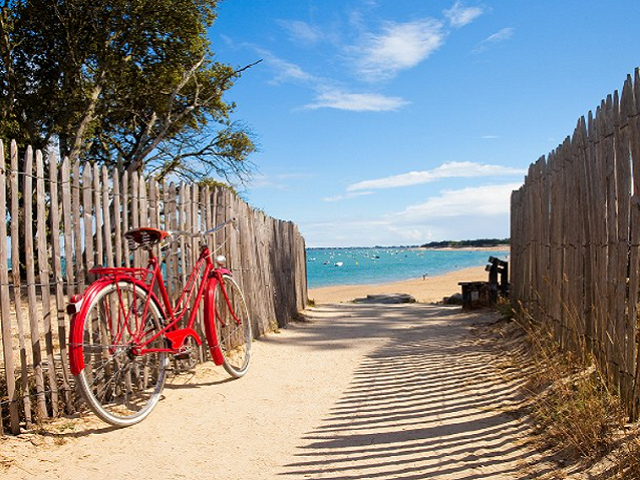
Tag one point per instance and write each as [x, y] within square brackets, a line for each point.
[357, 266]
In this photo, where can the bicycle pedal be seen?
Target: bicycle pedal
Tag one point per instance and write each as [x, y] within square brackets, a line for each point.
[182, 355]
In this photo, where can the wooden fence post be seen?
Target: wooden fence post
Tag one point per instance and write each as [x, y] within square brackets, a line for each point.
[56, 254]
[587, 200]
[5, 317]
[81, 213]
[31, 287]
[42, 242]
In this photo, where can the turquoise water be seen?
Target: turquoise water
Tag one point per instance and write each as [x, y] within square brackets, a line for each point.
[357, 266]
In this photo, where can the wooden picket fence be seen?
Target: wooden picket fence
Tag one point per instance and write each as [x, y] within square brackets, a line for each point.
[76, 220]
[575, 239]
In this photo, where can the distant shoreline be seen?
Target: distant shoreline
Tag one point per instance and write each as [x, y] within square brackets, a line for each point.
[497, 248]
[501, 248]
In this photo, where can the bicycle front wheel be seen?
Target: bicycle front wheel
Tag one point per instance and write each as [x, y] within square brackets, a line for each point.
[120, 385]
[233, 326]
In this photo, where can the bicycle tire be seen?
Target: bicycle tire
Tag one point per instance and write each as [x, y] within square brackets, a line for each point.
[120, 387]
[233, 326]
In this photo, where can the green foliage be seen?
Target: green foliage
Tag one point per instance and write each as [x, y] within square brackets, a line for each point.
[213, 183]
[505, 309]
[480, 243]
[122, 82]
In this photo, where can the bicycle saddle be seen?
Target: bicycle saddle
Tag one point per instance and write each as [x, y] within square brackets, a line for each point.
[145, 237]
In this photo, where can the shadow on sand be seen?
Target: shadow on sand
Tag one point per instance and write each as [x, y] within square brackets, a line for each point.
[429, 403]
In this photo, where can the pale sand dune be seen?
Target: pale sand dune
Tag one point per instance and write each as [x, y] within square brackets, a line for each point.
[428, 290]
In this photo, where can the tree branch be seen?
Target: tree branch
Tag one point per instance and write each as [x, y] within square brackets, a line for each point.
[88, 117]
[170, 120]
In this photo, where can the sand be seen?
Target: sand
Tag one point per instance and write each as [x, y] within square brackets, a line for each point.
[355, 391]
[427, 290]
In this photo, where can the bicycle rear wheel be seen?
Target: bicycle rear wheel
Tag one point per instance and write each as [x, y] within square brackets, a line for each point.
[233, 326]
[120, 386]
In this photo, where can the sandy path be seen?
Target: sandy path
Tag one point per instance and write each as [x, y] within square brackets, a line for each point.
[357, 392]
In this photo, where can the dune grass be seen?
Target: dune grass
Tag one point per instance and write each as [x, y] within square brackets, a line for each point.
[578, 418]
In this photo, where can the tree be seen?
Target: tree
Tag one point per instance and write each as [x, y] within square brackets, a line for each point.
[133, 83]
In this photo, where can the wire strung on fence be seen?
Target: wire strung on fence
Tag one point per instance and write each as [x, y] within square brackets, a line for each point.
[80, 213]
[575, 240]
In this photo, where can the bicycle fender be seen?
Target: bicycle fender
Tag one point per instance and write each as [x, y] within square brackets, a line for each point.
[80, 305]
[209, 323]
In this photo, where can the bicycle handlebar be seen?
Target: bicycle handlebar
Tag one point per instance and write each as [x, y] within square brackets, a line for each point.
[222, 225]
[201, 234]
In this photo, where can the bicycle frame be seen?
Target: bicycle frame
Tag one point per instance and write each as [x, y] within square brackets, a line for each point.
[173, 314]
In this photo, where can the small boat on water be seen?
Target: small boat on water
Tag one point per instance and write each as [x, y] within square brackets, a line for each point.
[338, 264]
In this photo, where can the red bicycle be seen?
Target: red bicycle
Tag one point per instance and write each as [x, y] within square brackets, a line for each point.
[124, 328]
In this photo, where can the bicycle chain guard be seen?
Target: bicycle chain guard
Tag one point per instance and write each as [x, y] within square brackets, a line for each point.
[178, 337]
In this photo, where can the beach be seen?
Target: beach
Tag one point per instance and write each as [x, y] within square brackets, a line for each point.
[355, 391]
[366, 391]
[425, 290]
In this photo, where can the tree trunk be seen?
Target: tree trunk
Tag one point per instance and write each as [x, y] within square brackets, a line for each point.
[89, 117]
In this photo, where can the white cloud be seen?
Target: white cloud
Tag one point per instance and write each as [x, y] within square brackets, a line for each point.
[472, 201]
[398, 47]
[328, 94]
[301, 31]
[446, 170]
[285, 71]
[467, 213]
[356, 102]
[498, 37]
[345, 232]
[279, 181]
[347, 196]
[376, 57]
[459, 16]
[227, 40]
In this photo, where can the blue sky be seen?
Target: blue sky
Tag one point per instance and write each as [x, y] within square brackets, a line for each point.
[400, 122]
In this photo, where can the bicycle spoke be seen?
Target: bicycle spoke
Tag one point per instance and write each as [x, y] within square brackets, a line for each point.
[122, 342]
[122, 388]
[233, 326]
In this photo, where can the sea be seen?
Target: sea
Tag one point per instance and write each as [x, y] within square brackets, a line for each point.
[358, 266]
